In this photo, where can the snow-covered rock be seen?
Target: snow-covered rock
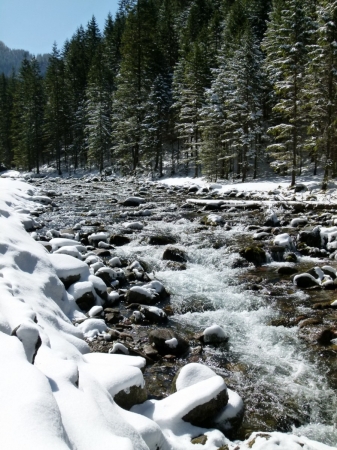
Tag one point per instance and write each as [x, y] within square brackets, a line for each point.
[214, 335]
[284, 240]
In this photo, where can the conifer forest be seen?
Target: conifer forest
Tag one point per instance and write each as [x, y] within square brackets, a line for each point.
[217, 88]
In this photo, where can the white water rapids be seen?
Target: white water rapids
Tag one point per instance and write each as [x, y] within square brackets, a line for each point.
[279, 377]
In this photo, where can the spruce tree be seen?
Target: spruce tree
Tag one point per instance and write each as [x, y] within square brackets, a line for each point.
[7, 86]
[286, 55]
[98, 126]
[320, 91]
[141, 60]
[56, 126]
[28, 117]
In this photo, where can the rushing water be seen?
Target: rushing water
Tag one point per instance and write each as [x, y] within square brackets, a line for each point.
[275, 372]
[282, 387]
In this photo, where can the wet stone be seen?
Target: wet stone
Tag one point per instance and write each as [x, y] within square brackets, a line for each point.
[175, 254]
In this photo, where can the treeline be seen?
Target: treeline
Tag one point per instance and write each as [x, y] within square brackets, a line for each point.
[11, 60]
[215, 87]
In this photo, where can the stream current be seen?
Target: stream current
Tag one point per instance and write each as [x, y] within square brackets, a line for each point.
[276, 373]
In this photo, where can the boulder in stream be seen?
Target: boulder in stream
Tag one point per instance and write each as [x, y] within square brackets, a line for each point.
[254, 254]
[167, 342]
[175, 254]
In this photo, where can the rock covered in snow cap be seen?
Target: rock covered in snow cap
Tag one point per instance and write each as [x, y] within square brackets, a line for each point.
[153, 314]
[69, 269]
[106, 274]
[197, 404]
[95, 238]
[284, 240]
[299, 222]
[83, 294]
[305, 280]
[142, 295]
[92, 327]
[191, 374]
[214, 335]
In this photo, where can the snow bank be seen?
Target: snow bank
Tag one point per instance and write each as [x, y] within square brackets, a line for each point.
[57, 402]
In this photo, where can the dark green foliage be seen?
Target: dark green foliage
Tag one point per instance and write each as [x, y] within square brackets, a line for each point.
[182, 85]
[27, 125]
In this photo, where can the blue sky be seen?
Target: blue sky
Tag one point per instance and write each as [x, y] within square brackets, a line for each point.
[34, 25]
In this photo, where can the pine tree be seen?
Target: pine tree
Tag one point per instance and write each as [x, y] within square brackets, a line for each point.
[77, 65]
[320, 93]
[141, 60]
[7, 86]
[232, 120]
[155, 123]
[98, 126]
[56, 125]
[191, 78]
[286, 55]
[28, 117]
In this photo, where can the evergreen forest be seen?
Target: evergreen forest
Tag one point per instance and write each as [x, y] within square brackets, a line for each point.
[217, 88]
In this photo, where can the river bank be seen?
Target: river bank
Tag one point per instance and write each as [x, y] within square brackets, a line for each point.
[225, 270]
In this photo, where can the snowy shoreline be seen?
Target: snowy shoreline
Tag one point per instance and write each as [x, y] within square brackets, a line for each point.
[62, 401]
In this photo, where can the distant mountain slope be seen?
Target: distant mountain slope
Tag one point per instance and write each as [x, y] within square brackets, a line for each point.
[11, 59]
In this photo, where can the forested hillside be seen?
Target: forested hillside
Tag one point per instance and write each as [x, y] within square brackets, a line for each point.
[11, 59]
[209, 87]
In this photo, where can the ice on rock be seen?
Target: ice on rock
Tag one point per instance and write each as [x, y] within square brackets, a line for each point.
[103, 244]
[113, 297]
[271, 218]
[176, 406]
[41, 199]
[172, 412]
[135, 265]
